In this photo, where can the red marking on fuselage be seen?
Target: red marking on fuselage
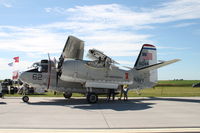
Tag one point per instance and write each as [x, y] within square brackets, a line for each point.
[126, 75]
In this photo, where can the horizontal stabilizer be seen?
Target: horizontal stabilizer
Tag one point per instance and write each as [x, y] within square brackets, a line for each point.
[158, 65]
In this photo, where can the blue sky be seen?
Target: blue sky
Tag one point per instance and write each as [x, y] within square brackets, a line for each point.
[32, 28]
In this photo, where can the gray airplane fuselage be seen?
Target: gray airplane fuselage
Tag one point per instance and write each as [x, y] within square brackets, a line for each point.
[75, 75]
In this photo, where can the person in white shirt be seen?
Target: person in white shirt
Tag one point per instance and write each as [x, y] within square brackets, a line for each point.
[125, 90]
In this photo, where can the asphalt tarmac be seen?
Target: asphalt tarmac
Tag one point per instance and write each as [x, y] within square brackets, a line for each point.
[137, 113]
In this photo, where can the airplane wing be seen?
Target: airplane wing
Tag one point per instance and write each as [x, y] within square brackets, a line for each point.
[158, 65]
[74, 48]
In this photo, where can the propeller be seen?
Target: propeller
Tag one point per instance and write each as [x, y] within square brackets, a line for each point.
[59, 69]
[49, 71]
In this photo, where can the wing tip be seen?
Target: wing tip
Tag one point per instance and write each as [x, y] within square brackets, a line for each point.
[176, 60]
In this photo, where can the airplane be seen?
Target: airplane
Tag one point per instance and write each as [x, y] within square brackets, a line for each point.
[72, 74]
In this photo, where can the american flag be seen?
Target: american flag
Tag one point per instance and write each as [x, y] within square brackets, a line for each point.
[147, 56]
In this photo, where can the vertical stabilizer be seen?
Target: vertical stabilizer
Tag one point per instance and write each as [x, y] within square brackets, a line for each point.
[147, 57]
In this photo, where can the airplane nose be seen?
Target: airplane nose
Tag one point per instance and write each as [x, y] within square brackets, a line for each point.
[22, 76]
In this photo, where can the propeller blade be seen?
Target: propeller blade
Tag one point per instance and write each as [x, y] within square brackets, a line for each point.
[49, 72]
[59, 67]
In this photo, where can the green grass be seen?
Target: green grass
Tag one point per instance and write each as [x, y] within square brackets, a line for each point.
[168, 88]
[167, 92]
[177, 82]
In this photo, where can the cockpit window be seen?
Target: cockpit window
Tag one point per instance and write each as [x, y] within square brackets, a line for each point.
[39, 68]
[44, 68]
[33, 70]
[35, 65]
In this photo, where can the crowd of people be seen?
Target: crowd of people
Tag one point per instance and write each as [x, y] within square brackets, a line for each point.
[123, 92]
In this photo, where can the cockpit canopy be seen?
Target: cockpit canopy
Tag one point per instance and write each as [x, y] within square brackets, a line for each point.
[42, 66]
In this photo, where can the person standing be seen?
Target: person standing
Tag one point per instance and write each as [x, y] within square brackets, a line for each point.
[111, 92]
[125, 90]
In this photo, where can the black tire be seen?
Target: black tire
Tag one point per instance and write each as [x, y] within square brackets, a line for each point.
[67, 95]
[1, 95]
[92, 97]
[25, 99]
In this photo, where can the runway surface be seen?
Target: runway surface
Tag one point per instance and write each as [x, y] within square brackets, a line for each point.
[137, 113]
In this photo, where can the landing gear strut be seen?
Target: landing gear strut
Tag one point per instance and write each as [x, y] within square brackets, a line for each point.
[92, 97]
[25, 98]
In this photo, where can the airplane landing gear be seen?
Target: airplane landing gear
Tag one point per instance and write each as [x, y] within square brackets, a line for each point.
[25, 99]
[92, 97]
[67, 95]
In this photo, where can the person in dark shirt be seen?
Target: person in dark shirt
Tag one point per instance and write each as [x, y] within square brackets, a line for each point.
[111, 92]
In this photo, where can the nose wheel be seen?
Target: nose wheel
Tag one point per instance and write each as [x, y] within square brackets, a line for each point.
[25, 99]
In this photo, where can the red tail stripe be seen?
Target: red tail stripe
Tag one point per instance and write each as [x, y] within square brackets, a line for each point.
[148, 45]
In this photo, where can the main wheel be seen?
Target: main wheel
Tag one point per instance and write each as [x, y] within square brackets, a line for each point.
[25, 99]
[67, 95]
[92, 98]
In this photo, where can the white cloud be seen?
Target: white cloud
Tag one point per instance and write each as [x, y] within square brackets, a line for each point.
[30, 40]
[6, 3]
[112, 16]
[16, 66]
[184, 25]
[110, 28]
[174, 48]
[6, 71]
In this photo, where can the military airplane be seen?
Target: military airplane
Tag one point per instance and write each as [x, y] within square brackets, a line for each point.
[72, 74]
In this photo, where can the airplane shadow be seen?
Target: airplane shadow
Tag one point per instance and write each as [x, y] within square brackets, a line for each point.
[132, 104]
[2, 103]
[102, 104]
